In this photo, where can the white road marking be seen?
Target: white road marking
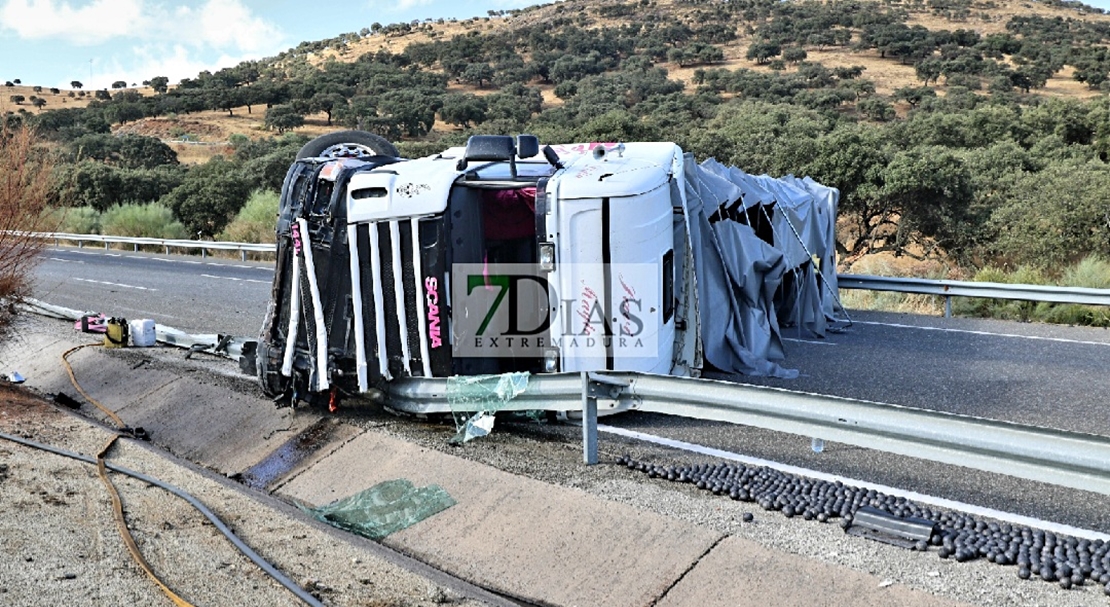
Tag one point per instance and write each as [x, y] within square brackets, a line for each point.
[65, 260]
[114, 284]
[261, 282]
[176, 260]
[1009, 517]
[986, 333]
[809, 341]
[165, 259]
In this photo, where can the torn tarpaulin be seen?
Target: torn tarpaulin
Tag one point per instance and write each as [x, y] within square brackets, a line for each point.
[385, 508]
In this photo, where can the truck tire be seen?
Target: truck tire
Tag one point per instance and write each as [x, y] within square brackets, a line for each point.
[268, 361]
[347, 143]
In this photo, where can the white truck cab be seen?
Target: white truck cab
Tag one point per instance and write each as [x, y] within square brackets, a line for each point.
[501, 256]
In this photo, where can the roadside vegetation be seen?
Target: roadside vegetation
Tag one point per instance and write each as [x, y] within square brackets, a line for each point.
[256, 220]
[1092, 272]
[964, 136]
[24, 194]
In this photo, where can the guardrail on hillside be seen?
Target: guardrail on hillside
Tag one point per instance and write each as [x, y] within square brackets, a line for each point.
[993, 290]
[166, 243]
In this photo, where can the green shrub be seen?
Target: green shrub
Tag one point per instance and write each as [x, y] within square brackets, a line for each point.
[148, 220]
[209, 196]
[256, 220]
[1004, 309]
[72, 220]
[1091, 272]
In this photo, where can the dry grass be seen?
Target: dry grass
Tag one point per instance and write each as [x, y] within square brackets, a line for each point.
[53, 102]
[886, 264]
[62, 100]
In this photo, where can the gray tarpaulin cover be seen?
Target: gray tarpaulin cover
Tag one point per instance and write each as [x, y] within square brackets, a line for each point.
[749, 288]
[385, 508]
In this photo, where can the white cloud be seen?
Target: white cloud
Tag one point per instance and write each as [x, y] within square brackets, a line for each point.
[174, 62]
[224, 25]
[404, 5]
[92, 23]
[227, 24]
[506, 4]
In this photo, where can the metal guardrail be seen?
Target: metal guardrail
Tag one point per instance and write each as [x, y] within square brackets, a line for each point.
[166, 243]
[1070, 459]
[943, 288]
[993, 290]
[226, 346]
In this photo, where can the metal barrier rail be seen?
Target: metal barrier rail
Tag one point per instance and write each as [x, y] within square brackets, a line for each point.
[218, 344]
[943, 288]
[1070, 459]
[993, 290]
[166, 243]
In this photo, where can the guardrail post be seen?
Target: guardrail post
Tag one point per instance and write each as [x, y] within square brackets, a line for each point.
[589, 421]
[105, 245]
[242, 255]
[203, 253]
[596, 385]
[948, 306]
[136, 247]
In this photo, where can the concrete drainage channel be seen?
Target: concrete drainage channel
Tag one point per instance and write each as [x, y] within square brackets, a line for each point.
[198, 418]
[599, 536]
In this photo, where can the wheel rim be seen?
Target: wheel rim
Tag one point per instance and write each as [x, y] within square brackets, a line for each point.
[347, 150]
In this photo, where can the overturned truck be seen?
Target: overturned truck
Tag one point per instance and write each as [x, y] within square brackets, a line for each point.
[507, 257]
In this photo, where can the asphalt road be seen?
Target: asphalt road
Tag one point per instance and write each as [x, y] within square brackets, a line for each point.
[196, 295]
[1026, 373]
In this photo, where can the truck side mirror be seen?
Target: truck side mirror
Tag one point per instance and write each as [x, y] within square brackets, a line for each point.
[489, 148]
[551, 157]
[527, 146]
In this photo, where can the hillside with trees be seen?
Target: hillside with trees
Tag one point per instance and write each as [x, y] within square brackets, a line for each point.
[972, 131]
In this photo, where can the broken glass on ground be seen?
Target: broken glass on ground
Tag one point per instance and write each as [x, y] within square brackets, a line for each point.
[475, 399]
[385, 508]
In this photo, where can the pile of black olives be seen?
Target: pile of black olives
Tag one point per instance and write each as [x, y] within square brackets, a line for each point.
[1065, 560]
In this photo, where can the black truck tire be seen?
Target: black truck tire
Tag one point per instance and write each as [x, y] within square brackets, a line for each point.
[348, 143]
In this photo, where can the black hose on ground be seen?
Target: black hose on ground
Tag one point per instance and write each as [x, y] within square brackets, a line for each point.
[300, 593]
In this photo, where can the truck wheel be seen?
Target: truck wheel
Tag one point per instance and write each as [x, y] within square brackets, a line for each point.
[268, 361]
[347, 144]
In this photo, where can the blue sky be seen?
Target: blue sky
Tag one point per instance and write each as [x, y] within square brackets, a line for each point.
[98, 42]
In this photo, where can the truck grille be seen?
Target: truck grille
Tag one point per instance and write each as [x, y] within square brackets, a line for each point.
[391, 266]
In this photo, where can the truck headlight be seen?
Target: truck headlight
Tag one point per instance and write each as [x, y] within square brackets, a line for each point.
[550, 361]
[547, 256]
